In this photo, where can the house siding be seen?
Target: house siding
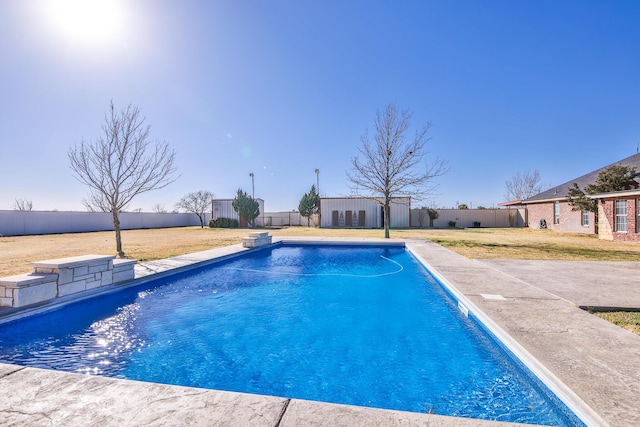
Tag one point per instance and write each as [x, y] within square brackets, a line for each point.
[607, 220]
[570, 220]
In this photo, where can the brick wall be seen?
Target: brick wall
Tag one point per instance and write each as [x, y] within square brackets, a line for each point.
[570, 221]
[607, 210]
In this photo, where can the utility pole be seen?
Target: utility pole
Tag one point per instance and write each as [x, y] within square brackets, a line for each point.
[318, 191]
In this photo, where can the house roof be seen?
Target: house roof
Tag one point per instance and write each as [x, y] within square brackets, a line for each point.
[511, 203]
[561, 191]
[615, 194]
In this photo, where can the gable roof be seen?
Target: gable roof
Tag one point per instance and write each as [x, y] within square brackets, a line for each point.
[561, 191]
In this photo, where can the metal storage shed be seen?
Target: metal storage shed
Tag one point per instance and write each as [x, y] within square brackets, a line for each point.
[363, 212]
[223, 208]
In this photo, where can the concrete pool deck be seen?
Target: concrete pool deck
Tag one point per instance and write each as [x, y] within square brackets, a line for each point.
[534, 302]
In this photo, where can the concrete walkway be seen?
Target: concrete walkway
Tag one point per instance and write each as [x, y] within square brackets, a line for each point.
[592, 364]
[595, 284]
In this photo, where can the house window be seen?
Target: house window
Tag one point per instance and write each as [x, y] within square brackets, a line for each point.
[556, 212]
[585, 218]
[621, 216]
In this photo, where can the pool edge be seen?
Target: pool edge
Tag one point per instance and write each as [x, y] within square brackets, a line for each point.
[570, 398]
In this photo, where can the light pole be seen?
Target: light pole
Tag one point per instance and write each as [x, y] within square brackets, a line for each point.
[318, 191]
[253, 193]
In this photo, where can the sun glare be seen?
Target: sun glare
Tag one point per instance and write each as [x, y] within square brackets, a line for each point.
[89, 22]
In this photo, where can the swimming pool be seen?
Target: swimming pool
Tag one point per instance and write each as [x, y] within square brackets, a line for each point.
[356, 325]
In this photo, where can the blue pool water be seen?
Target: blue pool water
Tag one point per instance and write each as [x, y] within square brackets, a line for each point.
[364, 326]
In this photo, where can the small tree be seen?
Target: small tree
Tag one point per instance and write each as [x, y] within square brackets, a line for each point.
[463, 206]
[121, 164]
[523, 185]
[309, 204]
[197, 202]
[422, 215]
[22, 205]
[433, 215]
[391, 165]
[613, 178]
[246, 206]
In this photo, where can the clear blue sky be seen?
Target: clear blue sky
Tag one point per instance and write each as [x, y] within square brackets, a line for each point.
[280, 88]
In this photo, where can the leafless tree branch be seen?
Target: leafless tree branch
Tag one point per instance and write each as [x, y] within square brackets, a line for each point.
[22, 205]
[523, 185]
[158, 208]
[121, 163]
[197, 202]
[393, 164]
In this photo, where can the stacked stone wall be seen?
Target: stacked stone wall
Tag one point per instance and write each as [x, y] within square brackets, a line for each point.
[62, 277]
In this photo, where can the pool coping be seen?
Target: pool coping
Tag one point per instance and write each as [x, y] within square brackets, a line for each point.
[452, 269]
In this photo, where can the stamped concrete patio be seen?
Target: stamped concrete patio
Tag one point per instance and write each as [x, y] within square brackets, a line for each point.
[591, 363]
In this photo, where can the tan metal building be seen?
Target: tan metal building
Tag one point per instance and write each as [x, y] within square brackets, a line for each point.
[363, 212]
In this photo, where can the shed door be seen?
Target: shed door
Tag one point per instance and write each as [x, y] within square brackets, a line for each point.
[348, 219]
[334, 218]
[361, 217]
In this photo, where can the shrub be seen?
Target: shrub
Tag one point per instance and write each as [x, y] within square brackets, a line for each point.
[452, 223]
[223, 223]
[476, 223]
[433, 215]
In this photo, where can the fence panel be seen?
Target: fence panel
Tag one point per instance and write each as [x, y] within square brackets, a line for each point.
[21, 223]
[464, 218]
[285, 219]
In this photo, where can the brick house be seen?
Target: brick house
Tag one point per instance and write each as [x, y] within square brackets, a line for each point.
[550, 209]
[619, 215]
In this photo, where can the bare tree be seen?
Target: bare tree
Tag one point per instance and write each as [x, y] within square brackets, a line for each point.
[392, 164]
[158, 208]
[197, 202]
[22, 205]
[122, 163]
[523, 185]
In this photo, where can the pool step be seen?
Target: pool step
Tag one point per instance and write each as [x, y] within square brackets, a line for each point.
[256, 239]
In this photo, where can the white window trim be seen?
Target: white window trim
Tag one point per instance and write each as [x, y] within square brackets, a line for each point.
[615, 216]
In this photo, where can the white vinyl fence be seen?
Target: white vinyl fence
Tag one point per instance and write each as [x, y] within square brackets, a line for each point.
[464, 218]
[21, 223]
[286, 219]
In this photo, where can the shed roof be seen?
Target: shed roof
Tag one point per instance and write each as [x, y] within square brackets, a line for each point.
[561, 191]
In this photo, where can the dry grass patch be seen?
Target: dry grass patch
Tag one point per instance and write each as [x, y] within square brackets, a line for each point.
[479, 243]
[518, 243]
[625, 319]
[17, 252]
